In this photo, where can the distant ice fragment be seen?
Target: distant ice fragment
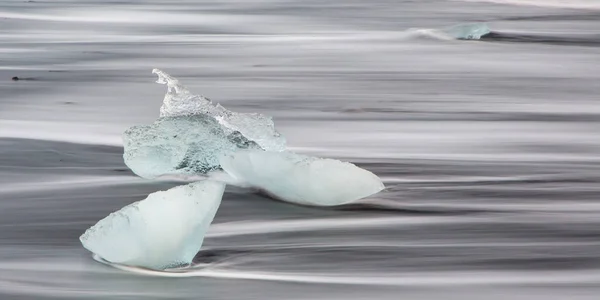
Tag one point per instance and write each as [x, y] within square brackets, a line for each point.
[301, 179]
[185, 145]
[472, 31]
[165, 230]
[179, 101]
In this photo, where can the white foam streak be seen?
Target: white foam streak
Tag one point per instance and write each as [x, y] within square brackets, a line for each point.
[576, 4]
[131, 16]
[68, 183]
[259, 227]
[392, 279]
[73, 132]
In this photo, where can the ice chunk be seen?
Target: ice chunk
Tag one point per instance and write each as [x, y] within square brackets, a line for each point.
[472, 31]
[165, 230]
[191, 133]
[179, 101]
[301, 179]
[179, 145]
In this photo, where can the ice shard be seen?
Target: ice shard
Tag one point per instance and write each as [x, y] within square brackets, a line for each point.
[191, 133]
[301, 179]
[179, 101]
[471, 31]
[165, 230]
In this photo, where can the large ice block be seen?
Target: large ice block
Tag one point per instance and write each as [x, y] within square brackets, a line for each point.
[165, 230]
[179, 145]
[301, 179]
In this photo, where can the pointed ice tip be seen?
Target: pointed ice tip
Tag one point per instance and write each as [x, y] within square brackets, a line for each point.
[172, 83]
[163, 78]
[160, 73]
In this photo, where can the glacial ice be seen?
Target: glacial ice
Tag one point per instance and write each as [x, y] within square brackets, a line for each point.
[301, 179]
[472, 31]
[179, 145]
[179, 101]
[165, 230]
[193, 137]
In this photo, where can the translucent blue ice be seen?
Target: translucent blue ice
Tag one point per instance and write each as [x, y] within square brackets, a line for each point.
[165, 230]
[301, 179]
[179, 101]
[192, 136]
[191, 133]
[179, 145]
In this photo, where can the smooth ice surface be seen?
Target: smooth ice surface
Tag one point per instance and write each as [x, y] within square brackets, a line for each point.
[179, 101]
[164, 230]
[301, 179]
[473, 31]
[179, 145]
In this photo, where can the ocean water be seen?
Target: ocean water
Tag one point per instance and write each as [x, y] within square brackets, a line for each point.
[489, 149]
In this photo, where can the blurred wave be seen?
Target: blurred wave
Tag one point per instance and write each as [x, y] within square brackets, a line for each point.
[489, 148]
[575, 4]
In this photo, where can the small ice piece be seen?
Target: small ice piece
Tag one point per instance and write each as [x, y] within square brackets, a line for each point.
[182, 145]
[179, 101]
[301, 179]
[165, 230]
[472, 31]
